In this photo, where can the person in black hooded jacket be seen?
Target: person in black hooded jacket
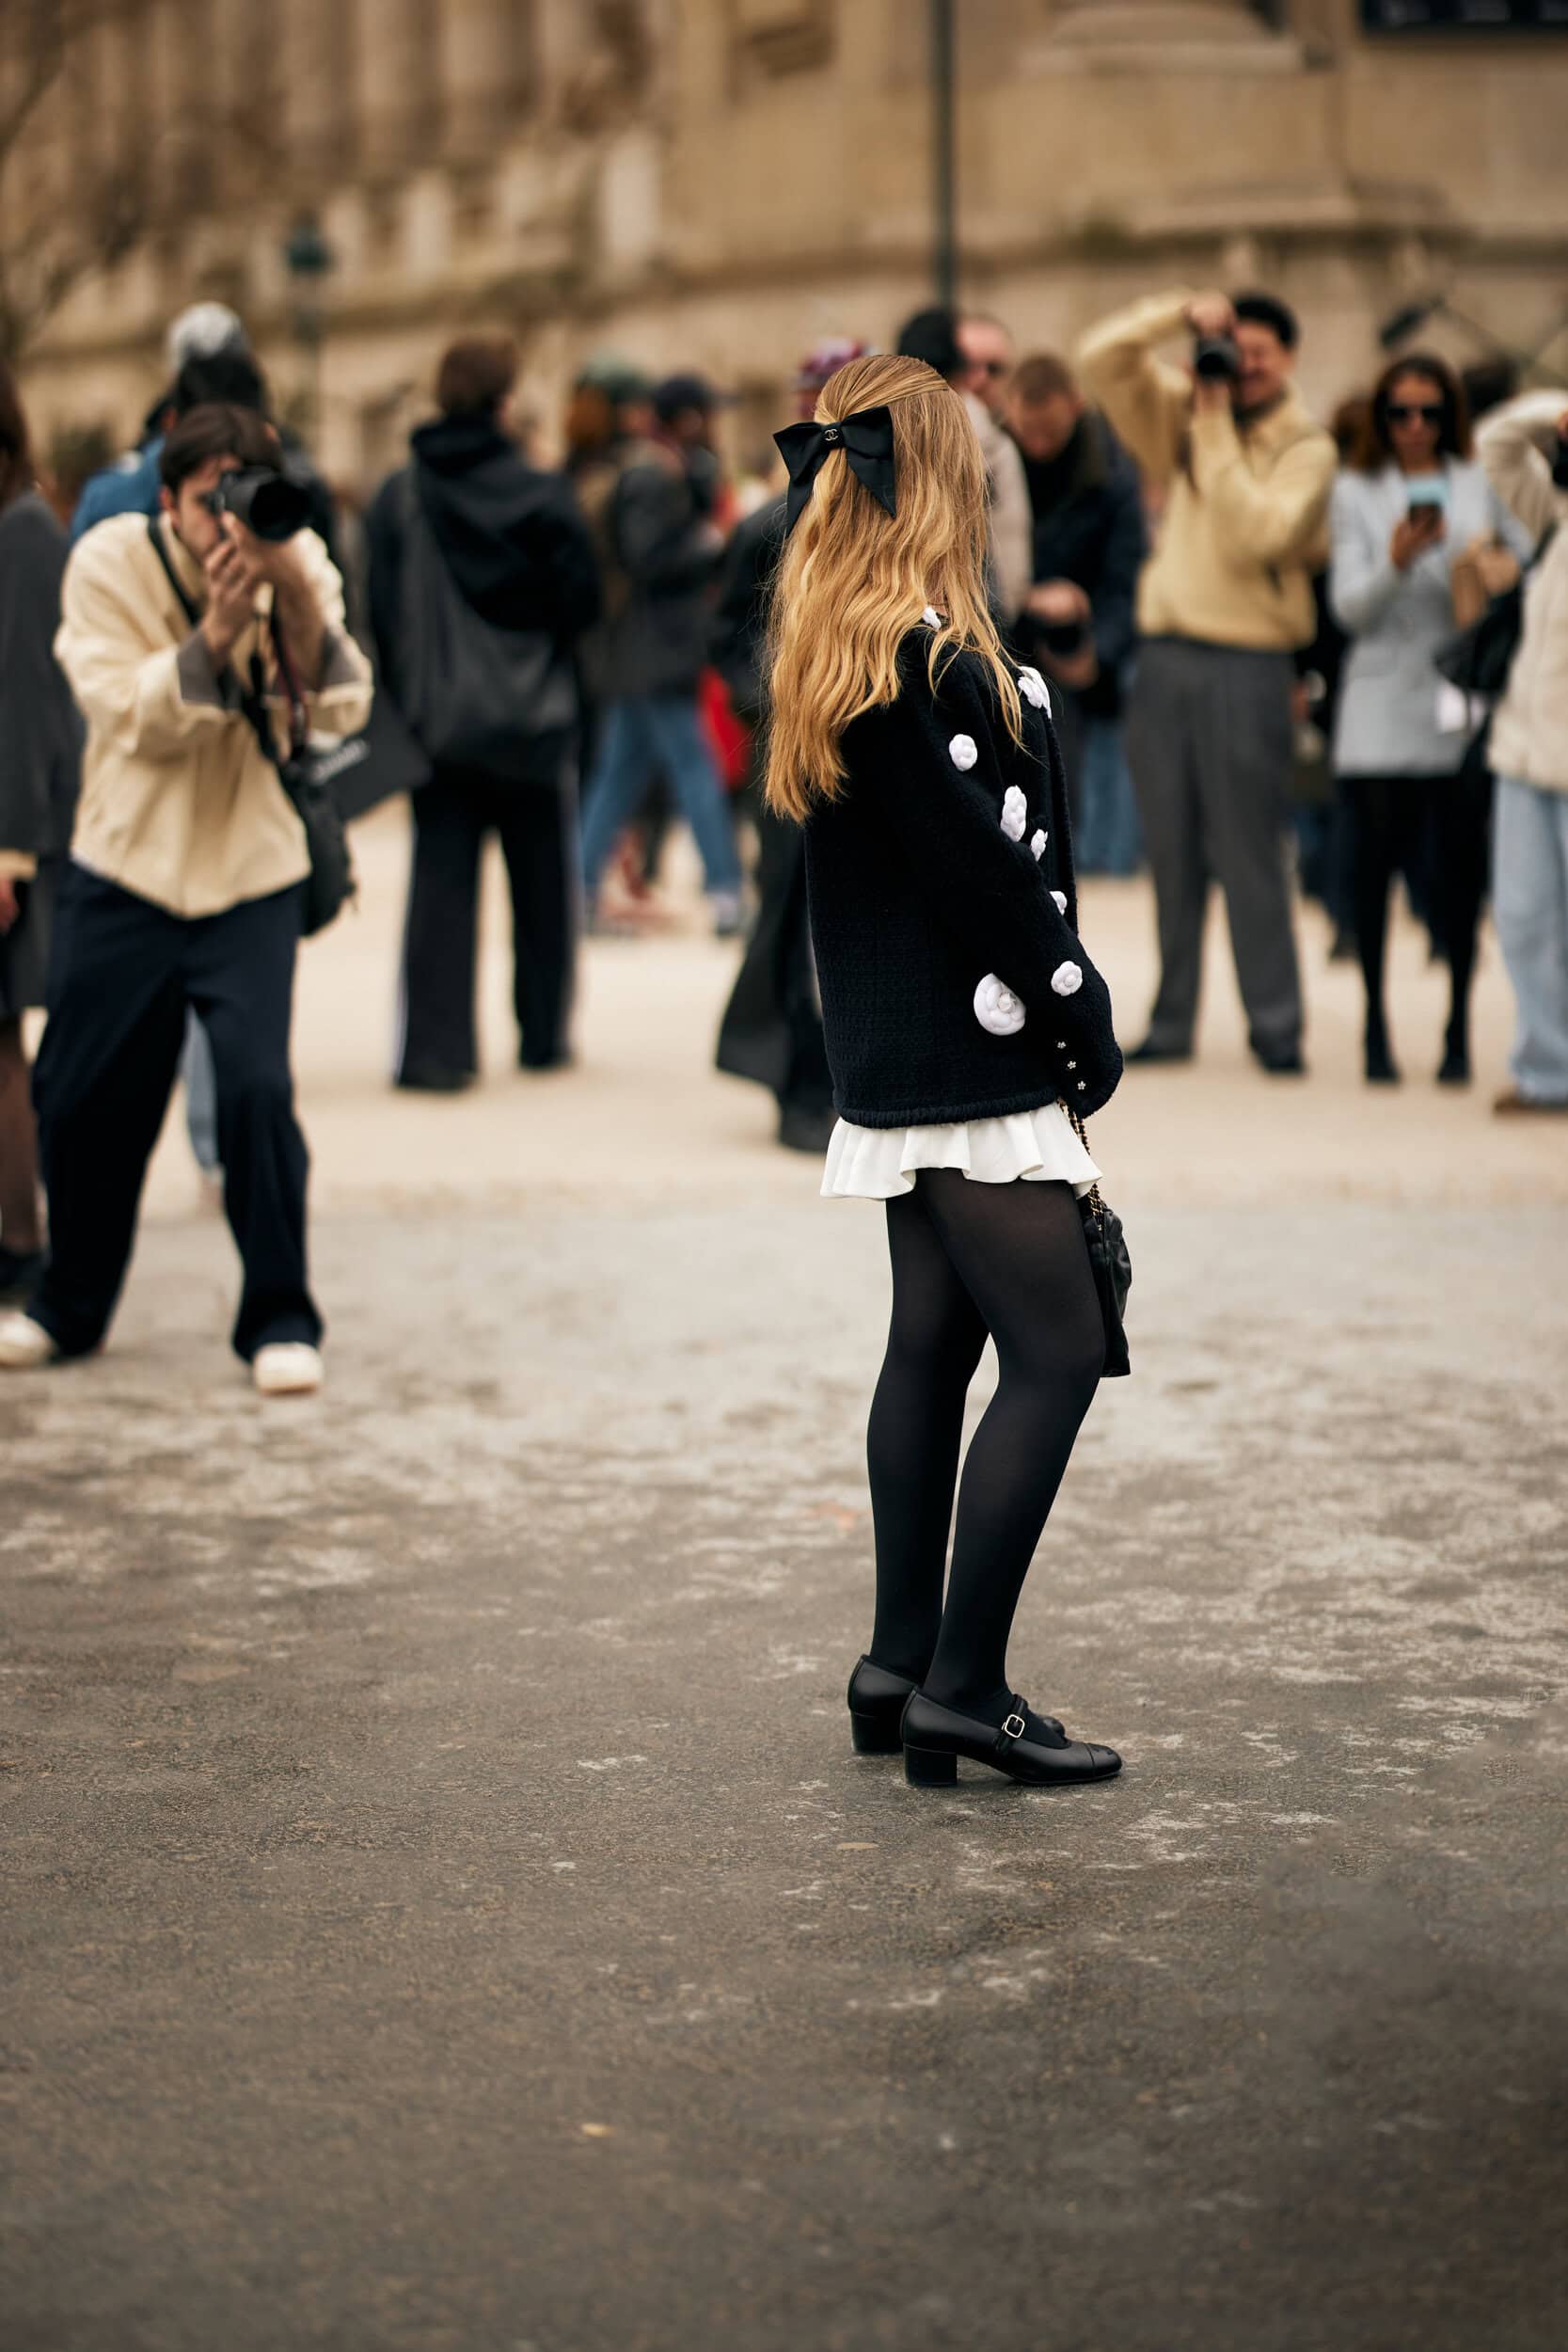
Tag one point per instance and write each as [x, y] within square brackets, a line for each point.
[519, 553]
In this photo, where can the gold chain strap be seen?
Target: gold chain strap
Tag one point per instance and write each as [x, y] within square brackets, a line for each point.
[1096, 1203]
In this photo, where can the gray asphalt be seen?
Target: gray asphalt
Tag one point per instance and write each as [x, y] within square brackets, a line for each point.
[443, 1909]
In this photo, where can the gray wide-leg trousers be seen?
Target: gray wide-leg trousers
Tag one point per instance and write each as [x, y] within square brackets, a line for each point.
[1210, 743]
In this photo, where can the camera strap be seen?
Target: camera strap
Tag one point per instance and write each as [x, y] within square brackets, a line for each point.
[253, 704]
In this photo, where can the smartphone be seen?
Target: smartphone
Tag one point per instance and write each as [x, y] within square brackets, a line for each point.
[1427, 505]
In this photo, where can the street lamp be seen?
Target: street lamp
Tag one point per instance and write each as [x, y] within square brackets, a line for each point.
[944, 244]
[308, 259]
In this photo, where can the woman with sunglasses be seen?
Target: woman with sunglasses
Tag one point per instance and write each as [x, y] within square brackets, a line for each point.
[1407, 504]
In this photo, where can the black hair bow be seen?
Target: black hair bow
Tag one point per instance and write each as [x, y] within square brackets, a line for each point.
[866, 440]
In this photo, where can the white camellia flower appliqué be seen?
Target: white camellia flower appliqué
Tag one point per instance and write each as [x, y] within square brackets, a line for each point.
[1015, 813]
[962, 751]
[931, 617]
[1034, 688]
[1067, 980]
[1038, 845]
[1060, 896]
[996, 1009]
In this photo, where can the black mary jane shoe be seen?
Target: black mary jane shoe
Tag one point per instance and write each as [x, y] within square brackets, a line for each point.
[876, 1703]
[1027, 1747]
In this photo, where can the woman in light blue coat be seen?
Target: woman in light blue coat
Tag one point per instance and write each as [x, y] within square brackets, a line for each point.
[1409, 503]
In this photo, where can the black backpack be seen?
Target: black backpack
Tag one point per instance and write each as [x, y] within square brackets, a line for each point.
[501, 701]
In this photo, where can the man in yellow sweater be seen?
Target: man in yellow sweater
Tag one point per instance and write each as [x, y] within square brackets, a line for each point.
[183, 890]
[1224, 602]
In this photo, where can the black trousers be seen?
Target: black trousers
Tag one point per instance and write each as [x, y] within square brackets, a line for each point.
[452, 814]
[122, 975]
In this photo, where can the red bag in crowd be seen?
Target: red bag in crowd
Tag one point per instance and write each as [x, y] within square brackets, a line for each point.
[729, 737]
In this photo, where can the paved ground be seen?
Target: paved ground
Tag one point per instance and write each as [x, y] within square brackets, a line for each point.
[443, 1911]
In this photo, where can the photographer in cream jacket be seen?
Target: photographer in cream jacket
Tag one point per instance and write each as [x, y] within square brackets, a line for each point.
[1224, 602]
[183, 892]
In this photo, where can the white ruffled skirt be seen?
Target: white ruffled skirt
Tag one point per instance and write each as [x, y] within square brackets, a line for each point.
[1036, 1147]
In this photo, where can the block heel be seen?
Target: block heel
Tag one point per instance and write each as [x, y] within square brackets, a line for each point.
[874, 1735]
[877, 1703]
[930, 1767]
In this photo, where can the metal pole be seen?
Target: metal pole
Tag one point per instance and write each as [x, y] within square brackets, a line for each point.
[945, 255]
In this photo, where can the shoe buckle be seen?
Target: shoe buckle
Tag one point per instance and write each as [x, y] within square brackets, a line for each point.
[1015, 1727]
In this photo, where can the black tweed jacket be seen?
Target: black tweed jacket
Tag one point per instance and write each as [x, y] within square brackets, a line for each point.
[928, 877]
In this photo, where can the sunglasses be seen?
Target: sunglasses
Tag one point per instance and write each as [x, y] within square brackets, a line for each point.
[1415, 412]
[993, 366]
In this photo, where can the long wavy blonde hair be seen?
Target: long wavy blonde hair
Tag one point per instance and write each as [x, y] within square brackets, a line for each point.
[855, 580]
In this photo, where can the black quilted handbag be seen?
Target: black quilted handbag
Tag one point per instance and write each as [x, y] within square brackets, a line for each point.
[1110, 1266]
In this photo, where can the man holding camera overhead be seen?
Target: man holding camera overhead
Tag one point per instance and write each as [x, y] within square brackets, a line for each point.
[1224, 602]
[184, 889]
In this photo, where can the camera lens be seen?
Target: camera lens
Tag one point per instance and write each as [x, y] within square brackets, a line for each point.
[1216, 359]
[266, 502]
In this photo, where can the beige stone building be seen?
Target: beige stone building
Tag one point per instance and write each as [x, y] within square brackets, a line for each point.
[716, 183]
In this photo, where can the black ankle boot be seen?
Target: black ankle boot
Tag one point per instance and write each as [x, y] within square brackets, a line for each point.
[877, 1700]
[1454, 1070]
[1027, 1747]
[1381, 1070]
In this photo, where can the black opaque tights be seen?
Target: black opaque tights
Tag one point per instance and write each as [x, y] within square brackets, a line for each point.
[1393, 820]
[970, 1259]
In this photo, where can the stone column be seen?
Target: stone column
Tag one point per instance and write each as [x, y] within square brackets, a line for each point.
[395, 88]
[476, 45]
[318, 91]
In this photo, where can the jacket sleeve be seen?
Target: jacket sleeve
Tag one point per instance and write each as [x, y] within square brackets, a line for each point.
[1512, 444]
[1012, 521]
[29, 605]
[569, 557]
[988, 889]
[1115, 592]
[339, 701]
[1148, 402]
[151, 696]
[1509, 529]
[1269, 519]
[1362, 578]
[384, 578]
[656, 532]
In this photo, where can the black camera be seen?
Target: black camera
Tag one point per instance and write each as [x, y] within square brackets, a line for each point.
[265, 501]
[1063, 637]
[1216, 359]
[1560, 463]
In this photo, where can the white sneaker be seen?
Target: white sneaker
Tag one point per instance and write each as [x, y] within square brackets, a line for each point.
[288, 1368]
[25, 1344]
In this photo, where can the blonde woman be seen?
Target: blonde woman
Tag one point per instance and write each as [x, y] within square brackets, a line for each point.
[961, 1013]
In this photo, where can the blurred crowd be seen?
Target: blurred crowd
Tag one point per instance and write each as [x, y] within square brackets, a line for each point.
[1285, 656]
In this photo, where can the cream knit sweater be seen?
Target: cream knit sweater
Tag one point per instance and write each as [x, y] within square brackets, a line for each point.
[1243, 526]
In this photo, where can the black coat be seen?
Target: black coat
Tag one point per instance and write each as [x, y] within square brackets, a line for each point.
[737, 633]
[1089, 528]
[659, 554]
[41, 733]
[917, 895]
[510, 534]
